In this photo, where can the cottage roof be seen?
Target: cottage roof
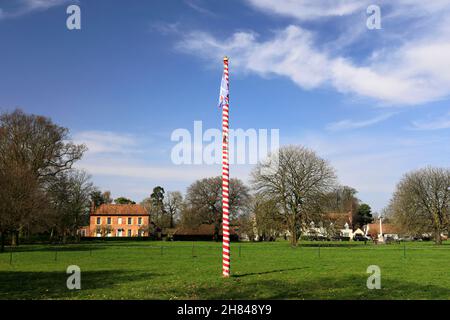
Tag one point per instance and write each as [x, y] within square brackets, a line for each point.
[374, 228]
[120, 209]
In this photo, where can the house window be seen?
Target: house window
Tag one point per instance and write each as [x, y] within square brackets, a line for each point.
[139, 221]
[99, 220]
[130, 220]
[129, 233]
[119, 221]
[108, 220]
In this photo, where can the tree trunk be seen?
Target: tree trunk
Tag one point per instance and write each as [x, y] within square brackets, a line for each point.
[293, 230]
[2, 242]
[216, 232]
[14, 238]
[437, 236]
[294, 235]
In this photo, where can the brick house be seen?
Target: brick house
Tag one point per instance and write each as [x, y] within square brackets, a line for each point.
[119, 220]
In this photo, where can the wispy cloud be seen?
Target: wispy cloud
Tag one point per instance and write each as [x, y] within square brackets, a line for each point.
[349, 124]
[106, 141]
[405, 77]
[407, 71]
[165, 28]
[373, 164]
[195, 4]
[22, 7]
[309, 9]
[434, 124]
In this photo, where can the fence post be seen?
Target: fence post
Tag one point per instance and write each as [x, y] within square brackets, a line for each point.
[239, 250]
[318, 250]
[56, 254]
[193, 243]
[404, 250]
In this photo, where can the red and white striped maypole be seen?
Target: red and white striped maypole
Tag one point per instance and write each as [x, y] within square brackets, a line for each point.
[225, 179]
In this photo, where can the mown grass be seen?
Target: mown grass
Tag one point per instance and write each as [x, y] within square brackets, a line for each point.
[186, 270]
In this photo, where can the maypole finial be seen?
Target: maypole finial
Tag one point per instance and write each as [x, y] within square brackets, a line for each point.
[225, 58]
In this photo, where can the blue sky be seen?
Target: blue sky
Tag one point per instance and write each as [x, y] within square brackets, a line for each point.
[375, 103]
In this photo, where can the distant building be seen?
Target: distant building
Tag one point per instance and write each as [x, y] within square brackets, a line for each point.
[331, 224]
[339, 219]
[388, 230]
[203, 232]
[118, 220]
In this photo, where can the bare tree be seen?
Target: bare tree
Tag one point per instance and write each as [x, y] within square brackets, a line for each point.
[69, 194]
[107, 197]
[268, 221]
[205, 199]
[36, 144]
[35, 150]
[298, 186]
[421, 202]
[21, 200]
[342, 199]
[173, 203]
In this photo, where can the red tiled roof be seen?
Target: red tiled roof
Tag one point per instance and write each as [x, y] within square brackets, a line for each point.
[120, 209]
[374, 228]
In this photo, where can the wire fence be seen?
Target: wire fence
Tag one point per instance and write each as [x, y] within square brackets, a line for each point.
[29, 254]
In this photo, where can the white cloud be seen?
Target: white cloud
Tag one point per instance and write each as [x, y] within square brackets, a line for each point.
[106, 142]
[317, 9]
[42, 4]
[22, 7]
[352, 124]
[161, 173]
[414, 73]
[374, 164]
[195, 4]
[411, 67]
[125, 164]
[309, 9]
[435, 124]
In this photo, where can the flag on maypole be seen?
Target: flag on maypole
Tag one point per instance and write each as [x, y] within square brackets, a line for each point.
[224, 103]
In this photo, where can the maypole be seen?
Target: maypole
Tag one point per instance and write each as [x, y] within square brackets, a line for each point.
[225, 172]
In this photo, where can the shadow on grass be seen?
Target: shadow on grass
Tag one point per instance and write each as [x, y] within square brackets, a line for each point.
[108, 285]
[350, 288]
[52, 285]
[328, 245]
[53, 248]
[265, 272]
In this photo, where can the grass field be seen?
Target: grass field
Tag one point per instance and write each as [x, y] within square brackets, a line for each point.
[186, 270]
